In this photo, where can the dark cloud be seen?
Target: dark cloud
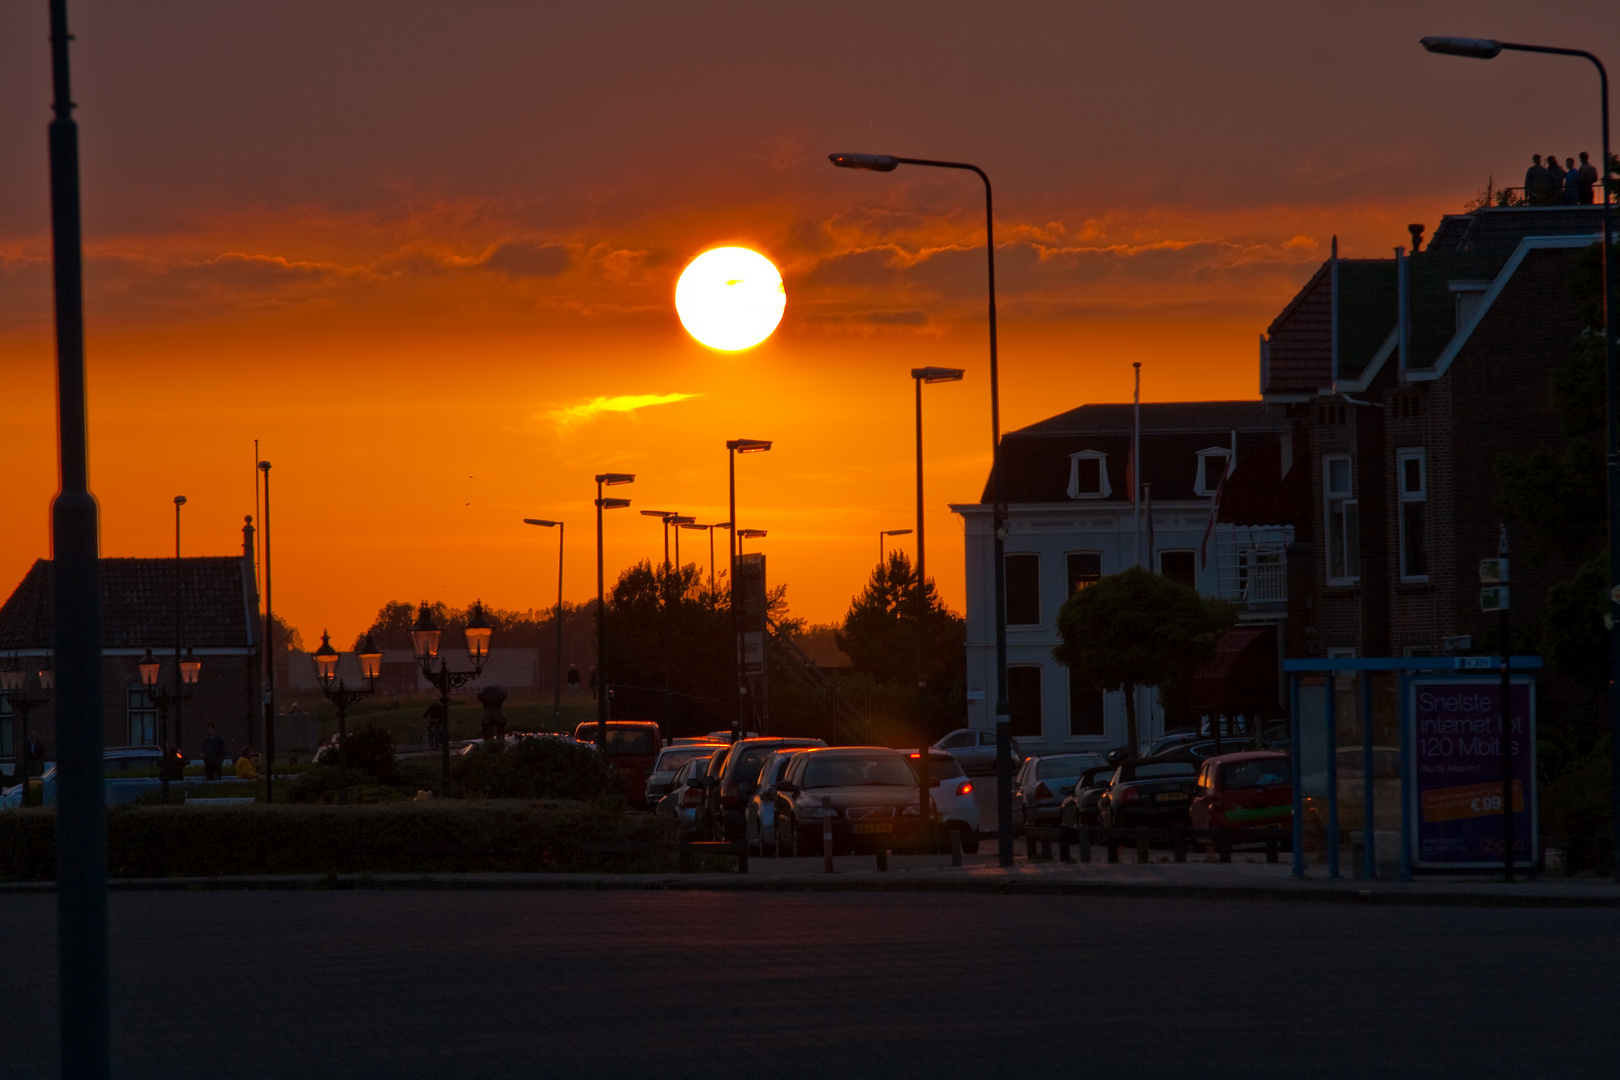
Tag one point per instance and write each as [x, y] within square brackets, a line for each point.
[520, 258]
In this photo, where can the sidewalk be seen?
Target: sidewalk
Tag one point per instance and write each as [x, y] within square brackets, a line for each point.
[1237, 880]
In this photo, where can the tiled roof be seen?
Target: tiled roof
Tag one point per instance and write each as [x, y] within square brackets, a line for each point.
[1300, 340]
[138, 604]
[1497, 230]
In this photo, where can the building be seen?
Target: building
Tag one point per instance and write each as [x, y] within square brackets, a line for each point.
[1405, 378]
[1066, 483]
[218, 620]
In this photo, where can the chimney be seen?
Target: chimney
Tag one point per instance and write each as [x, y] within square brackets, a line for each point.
[1417, 237]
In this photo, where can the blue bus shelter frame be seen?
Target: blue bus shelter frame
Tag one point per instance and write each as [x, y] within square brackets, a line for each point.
[1406, 665]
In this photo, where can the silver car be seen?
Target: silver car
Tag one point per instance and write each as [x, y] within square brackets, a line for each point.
[760, 813]
[975, 751]
[1043, 782]
[684, 804]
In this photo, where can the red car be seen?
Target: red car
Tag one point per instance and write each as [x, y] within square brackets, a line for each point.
[632, 747]
[1249, 790]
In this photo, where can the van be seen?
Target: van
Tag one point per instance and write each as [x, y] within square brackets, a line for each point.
[632, 747]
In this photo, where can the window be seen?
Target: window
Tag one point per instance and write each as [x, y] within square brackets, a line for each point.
[1085, 568]
[957, 741]
[1023, 590]
[1180, 567]
[1342, 518]
[1412, 491]
[8, 725]
[1212, 465]
[1024, 700]
[1088, 475]
[142, 719]
[1085, 711]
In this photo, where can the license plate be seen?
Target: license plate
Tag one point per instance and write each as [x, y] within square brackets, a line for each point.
[1172, 796]
[881, 826]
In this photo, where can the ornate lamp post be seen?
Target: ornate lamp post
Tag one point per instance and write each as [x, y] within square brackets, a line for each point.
[13, 687]
[190, 670]
[326, 663]
[425, 643]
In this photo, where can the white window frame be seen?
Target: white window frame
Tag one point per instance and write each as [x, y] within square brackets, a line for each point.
[1103, 488]
[1345, 503]
[1203, 457]
[1406, 498]
[143, 708]
[1084, 551]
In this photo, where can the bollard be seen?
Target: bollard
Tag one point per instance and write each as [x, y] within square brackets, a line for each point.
[1063, 846]
[1223, 844]
[826, 835]
[882, 859]
[1085, 843]
[1029, 847]
[1181, 845]
[956, 847]
[1142, 847]
[742, 860]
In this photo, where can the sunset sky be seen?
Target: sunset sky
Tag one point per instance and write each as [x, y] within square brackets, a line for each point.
[426, 253]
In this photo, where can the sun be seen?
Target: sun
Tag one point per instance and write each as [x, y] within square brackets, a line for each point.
[730, 298]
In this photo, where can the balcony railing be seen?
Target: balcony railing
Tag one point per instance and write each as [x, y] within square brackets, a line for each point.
[1252, 564]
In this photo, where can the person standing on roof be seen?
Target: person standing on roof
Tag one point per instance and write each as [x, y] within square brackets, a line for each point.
[1535, 182]
[1587, 178]
[1555, 181]
[1571, 195]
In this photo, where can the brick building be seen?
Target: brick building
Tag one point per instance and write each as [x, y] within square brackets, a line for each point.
[218, 620]
[1405, 379]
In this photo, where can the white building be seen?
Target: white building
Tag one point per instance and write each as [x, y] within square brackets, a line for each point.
[1070, 520]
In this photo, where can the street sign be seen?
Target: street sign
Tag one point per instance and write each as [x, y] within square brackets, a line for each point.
[1493, 598]
[1493, 571]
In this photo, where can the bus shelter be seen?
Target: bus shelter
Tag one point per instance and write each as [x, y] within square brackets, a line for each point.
[1427, 769]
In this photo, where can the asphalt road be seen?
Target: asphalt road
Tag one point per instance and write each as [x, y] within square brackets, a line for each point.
[692, 984]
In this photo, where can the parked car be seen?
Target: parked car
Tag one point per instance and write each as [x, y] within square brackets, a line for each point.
[759, 813]
[1044, 781]
[684, 803]
[661, 778]
[632, 748]
[1080, 805]
[975, 750]
[737, 780]
[869, 793]
[1148, 791]
[1203, 749]
[955, 801]
[1249, 789]
[709, 781]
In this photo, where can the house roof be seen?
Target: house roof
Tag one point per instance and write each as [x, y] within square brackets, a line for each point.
[218, 608]
[1297, 350]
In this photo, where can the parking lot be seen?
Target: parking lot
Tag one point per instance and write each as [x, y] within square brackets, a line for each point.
[636, 984]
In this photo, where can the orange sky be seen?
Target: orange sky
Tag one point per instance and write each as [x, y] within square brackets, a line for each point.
[401, 244]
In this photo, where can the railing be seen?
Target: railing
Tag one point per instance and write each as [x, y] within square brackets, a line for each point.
[1252, 563]
[1518, 197]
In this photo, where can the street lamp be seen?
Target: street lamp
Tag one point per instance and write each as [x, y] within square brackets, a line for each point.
[733, 448]
[888, 532]
[918, 377]
[179, 738]
[188, 670]
[888, 163]
[425, 643]
[326, 664]
[749, 534]
[13, 687]
[710, 530]
[666, 516]
[557, 688]
[611, 479]
[1487, 49]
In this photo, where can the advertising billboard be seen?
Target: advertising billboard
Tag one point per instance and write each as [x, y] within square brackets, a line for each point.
[1454, 732]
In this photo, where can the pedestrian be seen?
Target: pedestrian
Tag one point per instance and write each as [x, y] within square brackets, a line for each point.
[1555, 181]
[213, 752]
[1586, 180]
[1571, 195]
[245, 769]
[593, 682]
[1535, 182]
[573, 681]
[434, 715]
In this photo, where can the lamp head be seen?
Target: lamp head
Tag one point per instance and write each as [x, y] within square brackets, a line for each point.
[613, 504]
[1478, 48]
[871, 162]
[425, 634]
[370, 659]
[938, 374]
[683, 522]
[665, 514]
[150, 667]
[542, 522]
[47, 677]
[179, 500]
[690, 524]
[326, 660]
[748, 446]
[478, 633]
[190, 668]
[611, 478]
[897, 532]
[11, 677]
[752, 534]
[264, 466]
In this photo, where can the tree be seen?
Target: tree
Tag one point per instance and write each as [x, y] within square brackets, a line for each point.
[1137, 629]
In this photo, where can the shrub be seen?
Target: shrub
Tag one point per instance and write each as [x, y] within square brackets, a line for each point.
[533, 769]
[324, 784]
[370, 748]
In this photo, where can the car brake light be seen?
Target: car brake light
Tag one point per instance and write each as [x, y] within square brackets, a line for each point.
[691, 798]
[964, 788]
[1130, 795]
[728, 793]
[1042, 791]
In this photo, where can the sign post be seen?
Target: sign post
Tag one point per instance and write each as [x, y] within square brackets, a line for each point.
[1494, 573]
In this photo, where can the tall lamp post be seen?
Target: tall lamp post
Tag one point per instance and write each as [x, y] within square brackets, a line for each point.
[271, 649]
[179, 589]
[186, 673]
[326, 664]
[665, 516]
[83, 982]
[14, 688]
[1487, 49]
[556, 704]
[710, 530]
[733, 448]
[611, 479]
[918, 377]
[425, 643]
[887, 163]
[889, 532]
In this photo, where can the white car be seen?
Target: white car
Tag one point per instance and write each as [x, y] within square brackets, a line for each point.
[759, 816]
[975, 751]
[955, 799]
[662, 775]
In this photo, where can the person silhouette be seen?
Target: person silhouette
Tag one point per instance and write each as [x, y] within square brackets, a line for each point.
[1571, 194]
[1586, 179]
[1555, 181]
[573, 681]
[1535, 182]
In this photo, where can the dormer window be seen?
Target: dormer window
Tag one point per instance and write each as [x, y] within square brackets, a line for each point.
[1088, 475]
[1213, 464]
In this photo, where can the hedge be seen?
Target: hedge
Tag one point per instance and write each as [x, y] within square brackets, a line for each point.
[399, 838]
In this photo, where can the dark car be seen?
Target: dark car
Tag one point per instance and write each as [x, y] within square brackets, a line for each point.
[737, 779]
[1044, 781]
[1080, 806]
[632, 748]
[661, 778]
[1148, 791]
[869, 794]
